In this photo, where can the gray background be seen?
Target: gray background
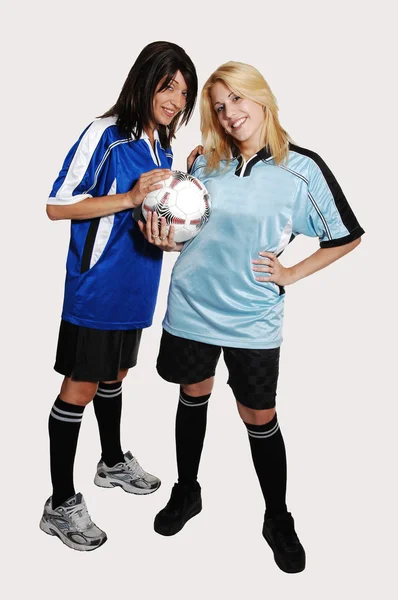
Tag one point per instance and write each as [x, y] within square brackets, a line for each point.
[331, 68]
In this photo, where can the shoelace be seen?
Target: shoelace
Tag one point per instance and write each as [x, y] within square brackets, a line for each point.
[79, 516]
[134, 466]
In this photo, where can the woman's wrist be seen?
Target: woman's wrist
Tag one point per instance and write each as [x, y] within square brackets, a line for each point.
[128, 200]
[292, 275]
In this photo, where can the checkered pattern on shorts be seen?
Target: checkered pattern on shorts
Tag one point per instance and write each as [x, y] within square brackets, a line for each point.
[186, 361]
[253, 374]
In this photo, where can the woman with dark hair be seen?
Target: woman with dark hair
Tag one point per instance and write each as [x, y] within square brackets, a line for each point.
[112, 276]
[265, 190]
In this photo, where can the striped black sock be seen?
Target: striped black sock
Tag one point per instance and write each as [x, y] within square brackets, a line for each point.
[108, 410]
[63, 426]
[269, 457]
[190, 433]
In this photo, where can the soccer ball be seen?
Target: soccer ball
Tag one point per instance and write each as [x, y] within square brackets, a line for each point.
[183, 201]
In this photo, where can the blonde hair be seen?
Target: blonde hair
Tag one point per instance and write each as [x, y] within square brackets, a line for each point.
[245, 81]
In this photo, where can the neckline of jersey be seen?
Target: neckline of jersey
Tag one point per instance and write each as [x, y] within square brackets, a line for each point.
[243, 168]
[263, 154]
[145, 136]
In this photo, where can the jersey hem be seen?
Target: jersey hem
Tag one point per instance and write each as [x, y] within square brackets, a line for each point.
[249, 345]
[54, 201]
[107, 326]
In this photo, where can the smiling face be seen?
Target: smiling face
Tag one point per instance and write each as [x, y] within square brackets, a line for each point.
[169, 102]
[241, 118]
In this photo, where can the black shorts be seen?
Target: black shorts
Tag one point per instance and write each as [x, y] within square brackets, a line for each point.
[95, 354]
[253, 374]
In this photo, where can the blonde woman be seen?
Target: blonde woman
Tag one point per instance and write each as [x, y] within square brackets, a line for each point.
[228, 285]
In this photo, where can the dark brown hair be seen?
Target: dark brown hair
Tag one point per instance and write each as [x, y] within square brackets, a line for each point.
[157, 62]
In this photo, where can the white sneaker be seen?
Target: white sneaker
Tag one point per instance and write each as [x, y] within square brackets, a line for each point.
[128, 475]
[72, 524]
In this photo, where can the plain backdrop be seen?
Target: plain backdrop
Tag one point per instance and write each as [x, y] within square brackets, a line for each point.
[331, 66]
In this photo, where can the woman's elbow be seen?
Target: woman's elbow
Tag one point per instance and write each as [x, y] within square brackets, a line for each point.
[351, 246]
[52, 212]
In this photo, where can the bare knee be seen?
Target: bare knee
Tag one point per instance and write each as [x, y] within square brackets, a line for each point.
[78, 392]
[203, 388]
[255, 417]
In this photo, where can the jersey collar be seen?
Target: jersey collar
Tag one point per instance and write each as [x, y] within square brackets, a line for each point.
[145, 136]
[244, 167]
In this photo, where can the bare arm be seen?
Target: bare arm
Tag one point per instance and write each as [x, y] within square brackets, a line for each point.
[108, 205]
[90, 207]
[287, 275]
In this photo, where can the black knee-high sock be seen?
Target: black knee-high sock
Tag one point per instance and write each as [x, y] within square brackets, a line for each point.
[269, 457]
[190, 433]
[108, 410]
[63, 426]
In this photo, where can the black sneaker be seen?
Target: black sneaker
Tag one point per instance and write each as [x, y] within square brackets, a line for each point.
[185, 502]
[279, 532]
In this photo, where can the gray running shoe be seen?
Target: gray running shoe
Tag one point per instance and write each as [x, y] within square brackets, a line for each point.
[72, 524]
[128, 475]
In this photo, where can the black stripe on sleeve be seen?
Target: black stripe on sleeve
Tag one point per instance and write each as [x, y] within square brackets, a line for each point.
[345, 211]
[89, 244]
[355, 234]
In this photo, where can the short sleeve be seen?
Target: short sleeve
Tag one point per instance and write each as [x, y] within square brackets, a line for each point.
[198, 167]
[79, 175]
[324, 207]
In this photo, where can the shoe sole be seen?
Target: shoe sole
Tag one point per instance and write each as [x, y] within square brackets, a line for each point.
[51, 530]
[195, 512]
[109, 484]
[279, 560]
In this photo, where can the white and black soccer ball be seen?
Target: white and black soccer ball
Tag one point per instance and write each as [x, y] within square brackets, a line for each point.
[183, 201]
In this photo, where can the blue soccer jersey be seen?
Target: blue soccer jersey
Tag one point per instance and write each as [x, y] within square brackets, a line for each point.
[256, 205]
[113, 273]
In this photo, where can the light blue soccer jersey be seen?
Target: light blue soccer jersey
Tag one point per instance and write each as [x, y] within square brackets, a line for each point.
[113, 273]
[256, 205]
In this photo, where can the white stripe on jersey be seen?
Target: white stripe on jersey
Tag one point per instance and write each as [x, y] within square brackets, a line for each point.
[312, 200]
[78, 167]
[285, 237]
[103, 231]
[66, 201]
[98, 171]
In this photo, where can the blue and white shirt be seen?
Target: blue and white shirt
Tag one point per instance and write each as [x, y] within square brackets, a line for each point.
[256, 205]
[113, 273]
